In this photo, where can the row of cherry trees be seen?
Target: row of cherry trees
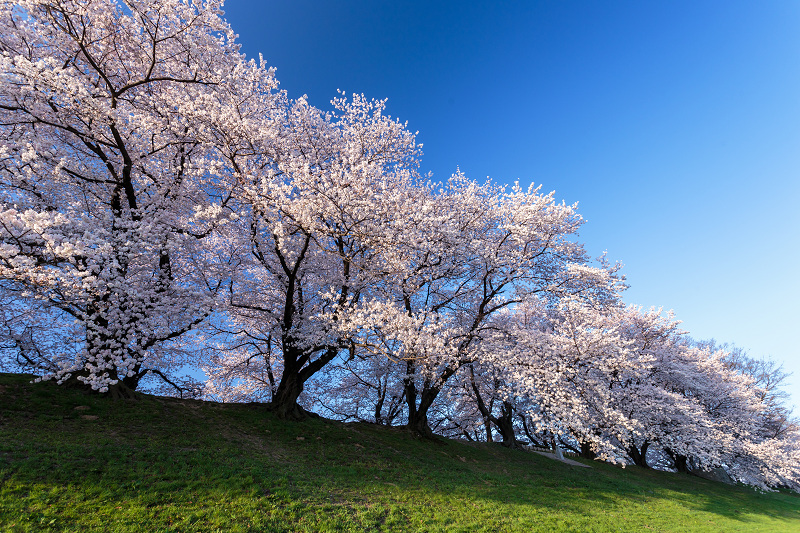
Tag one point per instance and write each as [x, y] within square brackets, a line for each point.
[164, 207]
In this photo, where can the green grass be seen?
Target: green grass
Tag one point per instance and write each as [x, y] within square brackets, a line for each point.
[72, 461]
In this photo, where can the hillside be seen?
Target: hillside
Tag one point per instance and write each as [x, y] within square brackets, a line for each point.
[71, 461]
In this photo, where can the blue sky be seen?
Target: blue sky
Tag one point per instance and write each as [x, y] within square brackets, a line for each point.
[675, 125]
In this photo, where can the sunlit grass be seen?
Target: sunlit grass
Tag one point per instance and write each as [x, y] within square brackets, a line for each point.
[71, 461]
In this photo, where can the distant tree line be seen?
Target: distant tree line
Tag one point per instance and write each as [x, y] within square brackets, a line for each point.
[164, 206]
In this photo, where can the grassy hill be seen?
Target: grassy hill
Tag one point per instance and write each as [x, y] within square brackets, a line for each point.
[71, 461]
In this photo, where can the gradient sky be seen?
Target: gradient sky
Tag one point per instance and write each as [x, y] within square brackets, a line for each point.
[674, 124]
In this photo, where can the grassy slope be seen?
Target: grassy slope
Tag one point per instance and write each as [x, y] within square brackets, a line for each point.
[70, 461]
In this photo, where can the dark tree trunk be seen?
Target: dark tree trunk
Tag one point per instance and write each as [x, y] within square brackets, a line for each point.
[486, 412]
[536, 440]
[418, 414]
[379, 408]
[131, 382]
[587, 452]
[418, 417]
[284, 403]
[419, 425]
[638, 455]
[506, 429]
[633, 453]
[487, 428]
[124, 389]
[74, 383]
[505, 425]
[121, 391]
[680, 462]
[410, 390]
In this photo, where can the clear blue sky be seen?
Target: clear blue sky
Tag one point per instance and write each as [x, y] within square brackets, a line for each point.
[674, 124]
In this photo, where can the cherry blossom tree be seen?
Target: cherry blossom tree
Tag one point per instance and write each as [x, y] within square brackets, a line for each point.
[700, 407]
[476, 253]
[110, 173]
[734, 400]
[661, 397]
[320, 205]
[566, 359]
[496, 407]
[769, 378]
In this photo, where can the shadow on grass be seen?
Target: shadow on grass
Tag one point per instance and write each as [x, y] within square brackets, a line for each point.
[76, 461]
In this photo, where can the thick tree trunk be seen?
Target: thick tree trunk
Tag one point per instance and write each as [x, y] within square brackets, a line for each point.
[125, 389]
[487, 428]
[680, 462]
[121, 391]
[74, 383]
[505, 425]
[419, 425]
[295, 374]
[638, 455]
[587, 452]
[418, 414]
[418, 419]
[284, 403]
[633, 453]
